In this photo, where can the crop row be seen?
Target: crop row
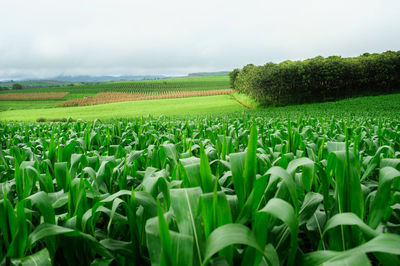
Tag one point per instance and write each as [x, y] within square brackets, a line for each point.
[188, 84]
[33, 96]
[113, 97]
[240, 189]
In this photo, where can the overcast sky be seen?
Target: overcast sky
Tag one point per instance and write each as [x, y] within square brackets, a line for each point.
[115, 37]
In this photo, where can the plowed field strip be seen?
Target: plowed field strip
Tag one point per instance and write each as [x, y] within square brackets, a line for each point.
[113, 97]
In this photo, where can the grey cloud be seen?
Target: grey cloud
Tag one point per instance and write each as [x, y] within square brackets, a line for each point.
[46, 38]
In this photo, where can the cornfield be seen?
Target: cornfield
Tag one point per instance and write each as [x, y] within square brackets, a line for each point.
[33, 96]
[148, 86]
[113, 97]
[222, 190]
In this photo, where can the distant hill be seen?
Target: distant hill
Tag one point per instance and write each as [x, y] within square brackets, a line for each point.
[32, 83]
[204, 74]
[85, 78]
[68, 80]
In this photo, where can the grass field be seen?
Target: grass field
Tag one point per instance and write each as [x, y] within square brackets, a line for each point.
[178, 106]
[23, 105]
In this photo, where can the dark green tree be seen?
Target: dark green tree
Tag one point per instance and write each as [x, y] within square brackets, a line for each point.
[17, 86]
[232, 77]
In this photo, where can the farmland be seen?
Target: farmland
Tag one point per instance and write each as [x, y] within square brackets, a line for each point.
[176, 106]
[85, 94]
[305, 185]
[171, 84]
[114, 97]
[33, 96]
[183, 133]
[27, 104]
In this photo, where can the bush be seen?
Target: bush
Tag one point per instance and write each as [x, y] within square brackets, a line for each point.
[232, 77]
[320, 79]
[17, 86]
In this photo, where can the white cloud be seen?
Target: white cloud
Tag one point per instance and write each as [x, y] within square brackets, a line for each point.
[44, 38]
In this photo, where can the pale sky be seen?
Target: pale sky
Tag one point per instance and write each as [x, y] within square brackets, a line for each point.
[45, 38]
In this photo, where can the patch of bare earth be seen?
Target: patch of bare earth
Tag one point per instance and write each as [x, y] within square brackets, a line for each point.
[33, 96]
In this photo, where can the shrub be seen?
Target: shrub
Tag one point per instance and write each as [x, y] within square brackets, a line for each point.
[233, 76]
[17, 86]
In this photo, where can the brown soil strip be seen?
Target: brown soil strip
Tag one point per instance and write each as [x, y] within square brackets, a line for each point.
[33, 96]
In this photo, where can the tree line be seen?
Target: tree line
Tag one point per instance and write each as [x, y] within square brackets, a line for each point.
[319, 79]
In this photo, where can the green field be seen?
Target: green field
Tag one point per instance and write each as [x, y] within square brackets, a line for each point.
[24, 105]
[178, 106]
[307, 185]
[150, 86]
[91, 89]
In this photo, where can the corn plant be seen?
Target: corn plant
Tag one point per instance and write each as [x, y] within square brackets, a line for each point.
[222, 190]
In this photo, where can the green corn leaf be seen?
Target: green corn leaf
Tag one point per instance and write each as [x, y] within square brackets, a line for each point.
[283, 211]
[101, 262]
[184, 203]
[381, 201]
[45, 230]
[205, 172]
[356, 259]
[310, 205]
[216, 212]
[41, 257]
[117, 246]
[383, 243]
[227, 235]
[237, 162]
[307, 175]
[350, 219]
[250, 165]
[190, 168]
[19, 241]
[166, 244]
[171, 153]
[182, 249]
[348, 185]
[62, 176]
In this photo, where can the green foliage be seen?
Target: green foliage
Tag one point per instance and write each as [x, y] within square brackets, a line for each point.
[17, 86]
[247, 188]
[246, 100]
[32, 83]
[232, 77]
[320, 79]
